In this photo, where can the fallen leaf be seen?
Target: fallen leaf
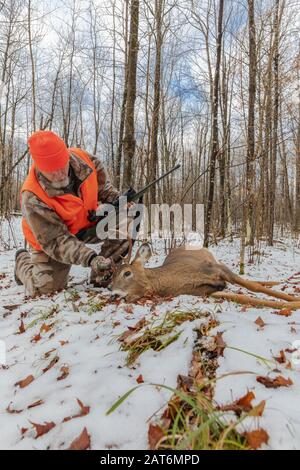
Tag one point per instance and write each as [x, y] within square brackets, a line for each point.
[240, 405]
[84, 410]
[258, 409]
[293, 276]
[290, 350]
[259, 321]
[62, 343]
[11, 308]
[286, 312]
[132, 330]
[221, 345]
[25, 382]
[51, 364]
[128, 309]
[23, 430]
[140, 379]
[65, 373]
[48, 353]
[281, 359]
[278, 381]
[46, 327]
[42, 429]
[36, 338]
[9, 410]
[195, 370]
[36, 403]
[257, 438]
[139, 325]
[155, 433]
[82, 442]
[185, 382]
[21, 328]
[246, 400]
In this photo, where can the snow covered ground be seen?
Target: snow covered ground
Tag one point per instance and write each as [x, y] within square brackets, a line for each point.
[66, 347]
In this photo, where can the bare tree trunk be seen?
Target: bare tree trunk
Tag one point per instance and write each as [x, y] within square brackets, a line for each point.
[297, 192]
[124, 101]
[215, 129]
[250, 167]
[156, 104]
[247, 236]
[32, 68]
[273, 162]
[112, 150]
[129, 138]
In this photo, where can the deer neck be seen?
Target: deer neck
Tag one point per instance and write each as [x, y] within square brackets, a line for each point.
[158, 280]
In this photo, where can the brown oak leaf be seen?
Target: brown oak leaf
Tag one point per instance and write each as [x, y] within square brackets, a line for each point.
[259, 321]
[257, 438]
[155, 433]
[42, 429]
[25, 382]
[285, 312]
[21, 328]
[281, 359]
[84, 410]
[65, 372]
[258, 409]
[36, 338]
[51, 364]
[9, 410]
[221, 345]
[36, 403]
[278, 381]
[140, 379]
[82, 442]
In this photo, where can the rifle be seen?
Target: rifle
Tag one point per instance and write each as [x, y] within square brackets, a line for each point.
[131, 195]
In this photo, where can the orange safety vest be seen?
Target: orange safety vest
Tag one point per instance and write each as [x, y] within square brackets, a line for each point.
[73, 210]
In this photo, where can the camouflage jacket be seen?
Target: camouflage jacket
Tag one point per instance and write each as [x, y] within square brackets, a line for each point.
[49, 229]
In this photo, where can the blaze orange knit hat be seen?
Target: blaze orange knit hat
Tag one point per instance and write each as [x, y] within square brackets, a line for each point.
[48, 151]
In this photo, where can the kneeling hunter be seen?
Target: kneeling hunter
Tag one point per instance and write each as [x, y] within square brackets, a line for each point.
[62, 186]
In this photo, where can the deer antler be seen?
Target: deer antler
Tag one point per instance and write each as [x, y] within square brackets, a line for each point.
[113, 266]
[126, 258]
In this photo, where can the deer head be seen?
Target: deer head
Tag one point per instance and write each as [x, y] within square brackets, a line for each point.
[130, 280]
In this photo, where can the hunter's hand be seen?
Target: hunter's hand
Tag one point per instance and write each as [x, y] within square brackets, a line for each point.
[100, 264]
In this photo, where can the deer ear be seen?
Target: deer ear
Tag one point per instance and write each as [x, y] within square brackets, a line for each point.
[143, 254]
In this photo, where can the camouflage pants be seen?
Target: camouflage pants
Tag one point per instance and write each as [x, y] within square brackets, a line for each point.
[41, 274]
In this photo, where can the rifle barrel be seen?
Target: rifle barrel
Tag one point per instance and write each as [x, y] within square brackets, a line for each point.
[142, 191]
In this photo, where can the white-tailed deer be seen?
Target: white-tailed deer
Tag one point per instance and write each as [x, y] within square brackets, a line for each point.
[189, 270]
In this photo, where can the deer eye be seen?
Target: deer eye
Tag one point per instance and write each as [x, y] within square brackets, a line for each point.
[127, 274]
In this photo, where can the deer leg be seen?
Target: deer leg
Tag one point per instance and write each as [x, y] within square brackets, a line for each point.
[269, 283]
[256, 287]
[253, 301]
